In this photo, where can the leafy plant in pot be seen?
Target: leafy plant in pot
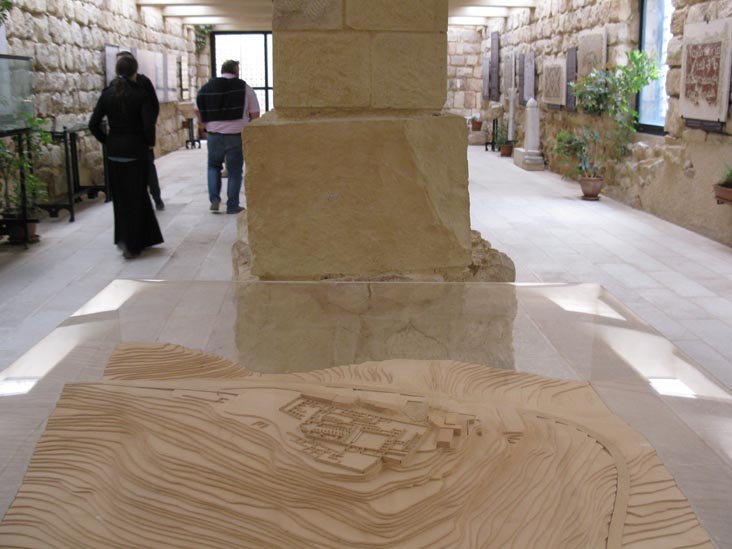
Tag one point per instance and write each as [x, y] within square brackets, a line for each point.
[723, 189]
[476, 124]
[12, 164]
[585, 154]
[501, 140]
[607, 93]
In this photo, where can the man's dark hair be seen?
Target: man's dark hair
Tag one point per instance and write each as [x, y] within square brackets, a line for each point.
[125, 53]
[229, 66]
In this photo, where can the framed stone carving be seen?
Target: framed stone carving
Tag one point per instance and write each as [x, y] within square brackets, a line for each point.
[592, 51]
[171, 77]
[554, 84]
[495, 66]
[110, 60]
[146, 65]
[486, 90]
[705, 70]
[185, 78]
[520, 67]
[529, 88]
[509, 72]
[152, 65]
[571, 99]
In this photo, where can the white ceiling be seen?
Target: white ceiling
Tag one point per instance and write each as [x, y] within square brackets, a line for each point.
[244, 15]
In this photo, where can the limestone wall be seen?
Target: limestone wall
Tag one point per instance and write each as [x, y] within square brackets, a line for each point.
[66, 39]
[669, 176]
[464, 69]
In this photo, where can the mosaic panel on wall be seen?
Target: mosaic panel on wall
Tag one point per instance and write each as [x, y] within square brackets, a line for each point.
[705, 65]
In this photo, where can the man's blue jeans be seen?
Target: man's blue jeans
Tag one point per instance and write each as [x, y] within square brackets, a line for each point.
[228, 147]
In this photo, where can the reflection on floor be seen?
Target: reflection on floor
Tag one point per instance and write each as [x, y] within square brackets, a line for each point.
[677, 281]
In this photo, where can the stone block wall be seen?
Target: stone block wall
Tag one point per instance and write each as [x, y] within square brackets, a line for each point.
[66, 40]
[464, 69]
[669, 176]
[372, 54]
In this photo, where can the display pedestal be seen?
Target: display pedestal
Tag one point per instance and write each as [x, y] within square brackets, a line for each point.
[528, 160]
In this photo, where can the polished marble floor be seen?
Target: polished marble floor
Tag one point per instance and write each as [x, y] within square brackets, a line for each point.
[659, 351]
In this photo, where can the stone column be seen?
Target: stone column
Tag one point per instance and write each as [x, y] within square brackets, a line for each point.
[358, 173]
[529, 157]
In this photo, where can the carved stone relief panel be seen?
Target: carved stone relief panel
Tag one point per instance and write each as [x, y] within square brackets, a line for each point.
[520, 67]
[495, 66]
[486, 92]
[529, 89]
[554, 88]
[509, 72]
[705, 81]
[571, 99]
[592, 51]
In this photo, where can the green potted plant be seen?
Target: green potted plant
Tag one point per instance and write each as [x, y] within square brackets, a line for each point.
[606, 92]
[5, 7]
[501, 139]
[476, 124]
[723, 189]
[12, 164]
[586, 155]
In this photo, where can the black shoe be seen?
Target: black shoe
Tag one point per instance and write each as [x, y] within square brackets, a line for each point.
[236, 210]
[159, 204]
[127, 254]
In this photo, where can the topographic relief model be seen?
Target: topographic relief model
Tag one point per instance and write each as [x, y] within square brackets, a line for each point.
[175, 448]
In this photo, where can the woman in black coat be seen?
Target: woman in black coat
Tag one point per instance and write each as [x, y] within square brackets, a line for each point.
[131, 119]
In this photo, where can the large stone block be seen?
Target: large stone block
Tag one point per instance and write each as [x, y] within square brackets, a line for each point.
[404, 15]
[320, 69]
[356, 196]
[307, 14]
[409, 70]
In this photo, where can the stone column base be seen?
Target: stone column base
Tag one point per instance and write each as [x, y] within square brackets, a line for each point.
[359, 195]
[528, 160]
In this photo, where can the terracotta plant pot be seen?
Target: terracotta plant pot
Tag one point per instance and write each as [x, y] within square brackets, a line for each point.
[591, 187]
[476, 125]
[723, 194]
[506, 150]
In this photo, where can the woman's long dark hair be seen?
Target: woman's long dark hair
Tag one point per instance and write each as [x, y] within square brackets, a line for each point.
[125, 68]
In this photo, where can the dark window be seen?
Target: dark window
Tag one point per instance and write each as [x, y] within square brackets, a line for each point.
[253, 50]
[655, 36]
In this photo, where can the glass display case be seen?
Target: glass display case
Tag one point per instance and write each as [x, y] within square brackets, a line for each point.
[568, 332]
[16, 91]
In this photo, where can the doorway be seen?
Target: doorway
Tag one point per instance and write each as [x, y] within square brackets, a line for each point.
[253, 51]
